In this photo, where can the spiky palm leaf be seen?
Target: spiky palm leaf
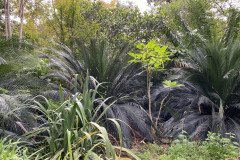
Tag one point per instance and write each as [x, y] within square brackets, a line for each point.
[131, 117]
[201, 28]
[210, 101]
[103, 60]
[232, 28]
[13, 110]
[109, 64]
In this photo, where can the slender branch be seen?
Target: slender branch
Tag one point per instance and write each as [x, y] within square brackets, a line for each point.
[161, 108]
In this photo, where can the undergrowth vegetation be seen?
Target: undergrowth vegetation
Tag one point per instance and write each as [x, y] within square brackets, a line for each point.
[214, 147]
[9, 150]
[72, 129]
[86, 80]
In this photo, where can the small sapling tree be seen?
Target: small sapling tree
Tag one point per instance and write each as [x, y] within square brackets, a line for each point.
[152, 57]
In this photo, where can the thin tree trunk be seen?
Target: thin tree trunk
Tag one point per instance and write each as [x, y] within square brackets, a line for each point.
[149, 93]
[21, 15]
[6, 19]
[72, 25]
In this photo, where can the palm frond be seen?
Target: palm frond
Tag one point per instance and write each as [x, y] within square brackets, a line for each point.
[129, 81]
[104, 62]
[12, 111]
[131, 117]
[232, 28]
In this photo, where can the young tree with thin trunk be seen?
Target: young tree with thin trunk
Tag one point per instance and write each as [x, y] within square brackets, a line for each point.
[152, 57]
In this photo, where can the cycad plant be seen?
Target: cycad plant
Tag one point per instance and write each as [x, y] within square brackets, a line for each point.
[103, 61]
[210, 98]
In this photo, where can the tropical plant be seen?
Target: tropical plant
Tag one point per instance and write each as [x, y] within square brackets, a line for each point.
[209, 101]
[73, 127]
[190, 23]
[101, 60]
[132, 118]
[210, 76]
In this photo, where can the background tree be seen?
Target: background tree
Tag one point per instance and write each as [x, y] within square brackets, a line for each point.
[8, 30]
[191, 22]
[151, 1]
[21, 15]
[1, 17]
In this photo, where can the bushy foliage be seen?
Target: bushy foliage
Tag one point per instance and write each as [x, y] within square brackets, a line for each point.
[190, 23]
[19, 65]
[215, 147]
[71, 126]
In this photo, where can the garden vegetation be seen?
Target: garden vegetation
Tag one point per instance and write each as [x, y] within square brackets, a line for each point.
[88, 80]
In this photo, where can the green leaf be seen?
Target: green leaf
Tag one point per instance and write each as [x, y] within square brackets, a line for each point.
[61, 94]
[163, 49]
[139, 56]
[157, 48]
[141, 46]
[69, 144]
[151, 44]
[171, 84]
[132, 54]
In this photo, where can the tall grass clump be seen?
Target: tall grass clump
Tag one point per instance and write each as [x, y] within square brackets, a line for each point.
[72, 127]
